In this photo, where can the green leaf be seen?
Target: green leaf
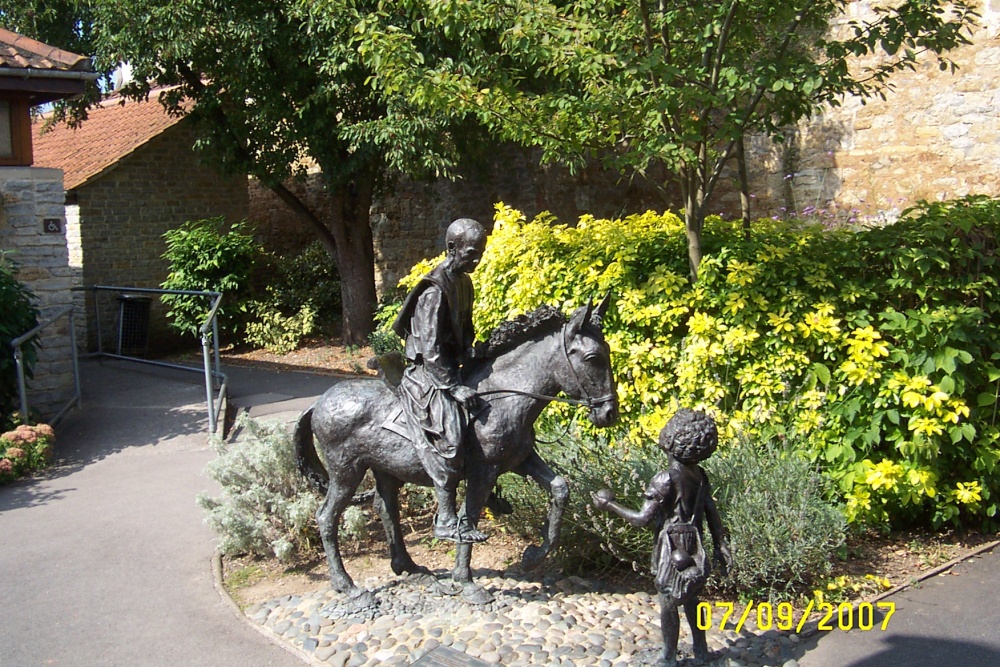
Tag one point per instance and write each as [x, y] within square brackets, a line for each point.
[969, 431]
[822, 373]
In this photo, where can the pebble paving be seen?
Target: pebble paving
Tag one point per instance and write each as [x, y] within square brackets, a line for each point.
[551, 621]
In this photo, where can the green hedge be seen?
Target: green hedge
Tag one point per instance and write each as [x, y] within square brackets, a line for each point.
[877, 352]
[783, 530]
[18, 317]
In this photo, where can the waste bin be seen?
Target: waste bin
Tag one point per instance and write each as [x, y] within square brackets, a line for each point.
[133, 325]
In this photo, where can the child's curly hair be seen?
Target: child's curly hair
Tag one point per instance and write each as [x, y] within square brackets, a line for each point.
[689, 436]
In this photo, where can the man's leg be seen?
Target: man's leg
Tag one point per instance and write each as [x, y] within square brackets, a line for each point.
[444, 474]
[446, 519]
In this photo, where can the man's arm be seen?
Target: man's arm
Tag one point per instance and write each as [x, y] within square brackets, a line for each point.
[427, 328]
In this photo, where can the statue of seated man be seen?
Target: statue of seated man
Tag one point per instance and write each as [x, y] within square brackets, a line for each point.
[677, 500]
[436, 323]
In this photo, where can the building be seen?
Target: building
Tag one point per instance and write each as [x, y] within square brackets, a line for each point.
[32, 221]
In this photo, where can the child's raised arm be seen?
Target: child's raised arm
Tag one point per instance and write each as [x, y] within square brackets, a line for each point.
[605, 500]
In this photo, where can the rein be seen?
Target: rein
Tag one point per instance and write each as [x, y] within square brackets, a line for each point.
[588, 401]
[571, 401]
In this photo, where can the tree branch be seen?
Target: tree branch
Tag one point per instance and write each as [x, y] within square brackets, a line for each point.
[727, 154]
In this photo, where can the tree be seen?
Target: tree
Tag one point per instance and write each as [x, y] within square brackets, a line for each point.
[275, 87]
[637, 82]
[65, 24]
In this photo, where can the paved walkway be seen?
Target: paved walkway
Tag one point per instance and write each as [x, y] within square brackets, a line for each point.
[948, 620]
[107, 560]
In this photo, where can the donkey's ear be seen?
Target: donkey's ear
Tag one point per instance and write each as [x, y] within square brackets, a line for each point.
[579, 317]
[598, 314]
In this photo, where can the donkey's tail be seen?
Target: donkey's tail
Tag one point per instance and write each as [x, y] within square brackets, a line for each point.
[305, 453]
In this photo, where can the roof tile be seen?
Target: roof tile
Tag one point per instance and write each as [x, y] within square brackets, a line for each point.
[111, 132]
[20, 52]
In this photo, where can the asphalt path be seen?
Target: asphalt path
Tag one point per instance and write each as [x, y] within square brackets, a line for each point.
[949, 620]
[106, 560]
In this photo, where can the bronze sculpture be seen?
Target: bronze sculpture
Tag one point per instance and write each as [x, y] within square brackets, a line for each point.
[678, 499]
[436, 323]
[523, 366]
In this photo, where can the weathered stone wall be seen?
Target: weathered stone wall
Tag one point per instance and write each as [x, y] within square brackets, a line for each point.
[936, 136]
[31, 196]
[123, 215]
[409, 219]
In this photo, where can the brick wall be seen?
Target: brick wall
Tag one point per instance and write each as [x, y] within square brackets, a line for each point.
[123, 215]
[30, 196]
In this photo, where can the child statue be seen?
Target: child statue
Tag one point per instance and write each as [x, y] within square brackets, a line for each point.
[678, 499]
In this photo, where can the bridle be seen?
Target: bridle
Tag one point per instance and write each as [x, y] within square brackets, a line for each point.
[588, 401]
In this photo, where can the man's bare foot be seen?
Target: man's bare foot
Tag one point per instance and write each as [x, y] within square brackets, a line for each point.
[462, 536]
[470, 535]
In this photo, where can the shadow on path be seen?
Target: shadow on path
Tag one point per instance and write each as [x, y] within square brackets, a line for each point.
[106, 556]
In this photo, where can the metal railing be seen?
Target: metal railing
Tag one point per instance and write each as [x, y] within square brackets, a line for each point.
[18, 345]
[215, 379]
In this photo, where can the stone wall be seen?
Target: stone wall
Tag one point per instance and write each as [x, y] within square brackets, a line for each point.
[935, 136]
[123, 215]
[409, 219]
[32, 196]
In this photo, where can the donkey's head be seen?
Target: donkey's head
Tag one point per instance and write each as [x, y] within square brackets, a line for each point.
[587, 376]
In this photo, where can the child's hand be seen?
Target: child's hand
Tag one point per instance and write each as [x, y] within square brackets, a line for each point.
[723, 559]
[602, 498]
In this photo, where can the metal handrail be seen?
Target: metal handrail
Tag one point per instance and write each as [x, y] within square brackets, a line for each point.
[22, 387]
[209, 332]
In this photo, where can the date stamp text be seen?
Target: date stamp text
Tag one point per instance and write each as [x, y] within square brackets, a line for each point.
[781, 616]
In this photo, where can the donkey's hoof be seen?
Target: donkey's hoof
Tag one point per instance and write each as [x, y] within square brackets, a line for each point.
[533, 557]
[359, 599]
[447, 587]
[422, 577]
[476, 594]
[409, 568]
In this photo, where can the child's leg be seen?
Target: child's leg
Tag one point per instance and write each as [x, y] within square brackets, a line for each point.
[670, 626]
[697, 636]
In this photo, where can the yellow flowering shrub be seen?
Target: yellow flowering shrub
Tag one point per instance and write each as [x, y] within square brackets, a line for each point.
[874, 353]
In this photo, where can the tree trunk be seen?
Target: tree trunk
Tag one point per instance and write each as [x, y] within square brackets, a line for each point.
[741, 169]
[694, 219]
[694, 243]
[347, 237]
[351, 227]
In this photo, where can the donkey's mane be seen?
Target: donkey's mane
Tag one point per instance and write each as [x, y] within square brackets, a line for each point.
[510, 334]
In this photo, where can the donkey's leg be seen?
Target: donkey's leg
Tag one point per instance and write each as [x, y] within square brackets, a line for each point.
[387, 504]
[338, 496]
[538, 470]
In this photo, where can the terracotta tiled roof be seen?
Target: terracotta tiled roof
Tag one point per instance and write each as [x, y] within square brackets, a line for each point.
[19, 52]
[111, 132]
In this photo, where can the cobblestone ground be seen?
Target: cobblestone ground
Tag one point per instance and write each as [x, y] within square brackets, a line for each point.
[549, 621]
